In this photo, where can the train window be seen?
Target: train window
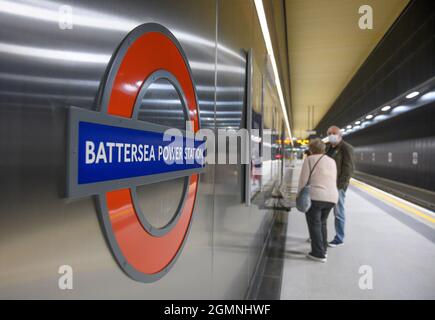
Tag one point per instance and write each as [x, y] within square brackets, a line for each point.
[162, 105]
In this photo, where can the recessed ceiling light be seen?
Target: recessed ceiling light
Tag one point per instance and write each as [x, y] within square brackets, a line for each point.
[349, 126]
[357, 122]
[386, 108]
[369, 117]
[412, 95]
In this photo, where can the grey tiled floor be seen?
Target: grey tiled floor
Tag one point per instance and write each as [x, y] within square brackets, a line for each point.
[402, 259]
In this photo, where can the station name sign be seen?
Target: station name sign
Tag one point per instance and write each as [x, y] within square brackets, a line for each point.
[107, 152]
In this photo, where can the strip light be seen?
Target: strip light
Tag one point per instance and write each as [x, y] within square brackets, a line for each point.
[266, 35]
[412, 95]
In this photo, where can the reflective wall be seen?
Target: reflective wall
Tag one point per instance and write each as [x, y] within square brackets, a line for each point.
[45, 67]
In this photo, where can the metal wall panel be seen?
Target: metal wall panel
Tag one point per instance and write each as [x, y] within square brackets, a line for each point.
[408, 133]
[239, 230]
[42, 72]
[408, 161]
[47, 69]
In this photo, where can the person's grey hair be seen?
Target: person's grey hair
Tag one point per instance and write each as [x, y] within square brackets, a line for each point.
[316, 146]
[336, 129]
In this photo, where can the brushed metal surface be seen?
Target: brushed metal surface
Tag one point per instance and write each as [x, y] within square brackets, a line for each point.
[43, 70]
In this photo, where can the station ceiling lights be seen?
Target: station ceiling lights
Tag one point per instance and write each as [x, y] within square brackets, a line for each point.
[399, 105]
[412, 95]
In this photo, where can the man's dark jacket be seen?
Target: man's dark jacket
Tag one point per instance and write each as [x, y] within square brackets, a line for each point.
[343, 156]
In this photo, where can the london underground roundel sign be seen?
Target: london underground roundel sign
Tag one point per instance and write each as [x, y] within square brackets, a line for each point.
[111, 152]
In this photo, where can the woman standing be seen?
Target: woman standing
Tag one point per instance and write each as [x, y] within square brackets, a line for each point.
[320, 171]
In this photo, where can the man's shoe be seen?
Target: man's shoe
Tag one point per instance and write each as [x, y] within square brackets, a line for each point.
[311, 257]
[335, 243]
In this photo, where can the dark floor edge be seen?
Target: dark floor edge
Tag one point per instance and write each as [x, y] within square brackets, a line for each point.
[418, 226]
[255, 281]
[267, 281]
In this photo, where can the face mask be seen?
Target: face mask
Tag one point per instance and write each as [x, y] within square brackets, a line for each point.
[333, 138]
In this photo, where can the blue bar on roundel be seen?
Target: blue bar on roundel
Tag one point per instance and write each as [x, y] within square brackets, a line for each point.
[108, 152]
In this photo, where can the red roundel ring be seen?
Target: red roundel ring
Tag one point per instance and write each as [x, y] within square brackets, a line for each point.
[147, 50]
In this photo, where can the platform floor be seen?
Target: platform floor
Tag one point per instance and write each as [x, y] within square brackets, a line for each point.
[390, 239]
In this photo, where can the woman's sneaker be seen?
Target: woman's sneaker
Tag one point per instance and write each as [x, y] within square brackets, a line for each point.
[311, 257]
[334, 243]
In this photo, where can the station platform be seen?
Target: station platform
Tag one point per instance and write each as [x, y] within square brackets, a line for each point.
[151, 150]
[387, 239]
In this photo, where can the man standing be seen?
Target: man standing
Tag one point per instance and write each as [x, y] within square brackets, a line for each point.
[342, 153]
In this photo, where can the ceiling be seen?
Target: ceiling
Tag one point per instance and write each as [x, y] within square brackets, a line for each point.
[326, 47]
